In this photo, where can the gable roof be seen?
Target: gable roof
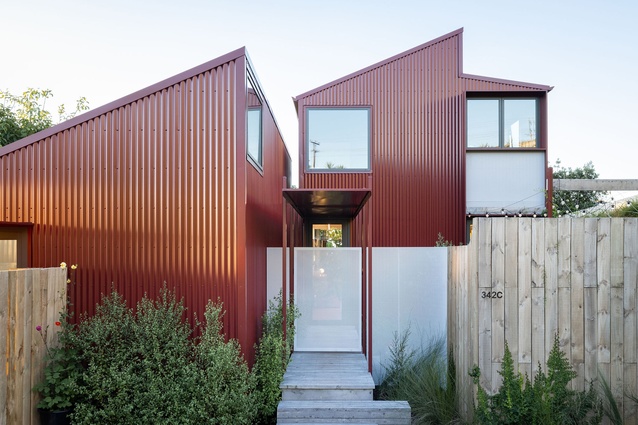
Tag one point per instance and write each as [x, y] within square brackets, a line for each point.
[459, 35]
[94, 113]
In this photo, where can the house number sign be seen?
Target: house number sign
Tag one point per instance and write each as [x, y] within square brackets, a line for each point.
[492, 294]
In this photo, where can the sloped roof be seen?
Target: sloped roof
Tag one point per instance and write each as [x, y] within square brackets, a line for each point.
[94, 113]
[457, 33]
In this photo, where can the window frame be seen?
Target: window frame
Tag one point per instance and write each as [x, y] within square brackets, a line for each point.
[251, 82]
[307, 149]
[501, 121]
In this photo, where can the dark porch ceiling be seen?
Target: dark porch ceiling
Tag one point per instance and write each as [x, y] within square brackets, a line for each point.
[327, 203]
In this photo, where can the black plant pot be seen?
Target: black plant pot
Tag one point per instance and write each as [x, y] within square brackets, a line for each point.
[54, 417]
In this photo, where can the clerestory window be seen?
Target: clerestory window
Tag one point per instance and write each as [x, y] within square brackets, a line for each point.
[254, 141]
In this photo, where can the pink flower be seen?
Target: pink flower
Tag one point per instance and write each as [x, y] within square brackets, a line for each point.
[38, 328]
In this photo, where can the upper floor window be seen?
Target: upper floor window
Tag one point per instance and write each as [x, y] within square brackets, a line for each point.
[502, 123]
[338, 139]
[254, 143]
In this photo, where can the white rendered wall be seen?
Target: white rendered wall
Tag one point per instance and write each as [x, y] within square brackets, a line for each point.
[409, 291]
[508, 180]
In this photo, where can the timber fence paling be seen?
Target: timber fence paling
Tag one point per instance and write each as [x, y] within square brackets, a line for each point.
[577, 277]
[28, 298]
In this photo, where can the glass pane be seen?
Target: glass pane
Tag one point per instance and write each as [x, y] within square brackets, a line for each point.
[253, 127]
[254, 134]
[8, 254]
[328, 295]
[519, 123]
[338, 139]
[327, 235]
[482, 123]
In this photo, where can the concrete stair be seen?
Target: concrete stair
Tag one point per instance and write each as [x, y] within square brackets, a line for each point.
[334, 388]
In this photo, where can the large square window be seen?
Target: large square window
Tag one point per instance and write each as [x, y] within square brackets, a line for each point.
[338, 139]
[502, 123]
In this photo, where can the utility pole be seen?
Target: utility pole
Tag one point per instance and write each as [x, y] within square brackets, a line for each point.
[314, 152]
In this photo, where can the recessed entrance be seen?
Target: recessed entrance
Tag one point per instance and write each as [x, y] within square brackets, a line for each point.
[329, 235]
[329, 271]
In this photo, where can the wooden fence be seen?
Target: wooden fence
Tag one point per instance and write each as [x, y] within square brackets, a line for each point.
[524, 280]
[28, 298]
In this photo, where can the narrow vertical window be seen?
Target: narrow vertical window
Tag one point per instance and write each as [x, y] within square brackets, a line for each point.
[519, 123]
[254, 142]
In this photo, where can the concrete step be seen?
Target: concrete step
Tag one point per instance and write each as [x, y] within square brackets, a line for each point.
[327, 376]
[344, 411]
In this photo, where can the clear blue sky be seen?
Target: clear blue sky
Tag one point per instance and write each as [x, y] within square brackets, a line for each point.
[587, 50]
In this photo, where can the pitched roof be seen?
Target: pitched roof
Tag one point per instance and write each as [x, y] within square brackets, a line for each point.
[457, 33]
[235, 54]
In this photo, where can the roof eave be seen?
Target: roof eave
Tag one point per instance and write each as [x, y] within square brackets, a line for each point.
[534, 86]
[379, 64]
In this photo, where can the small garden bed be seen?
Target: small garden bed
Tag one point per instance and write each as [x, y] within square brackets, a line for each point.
[137, 366]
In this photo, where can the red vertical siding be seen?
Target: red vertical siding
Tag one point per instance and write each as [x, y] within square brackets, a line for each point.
[417, 102]
[417, 148]
[264, 204]
[149, 191]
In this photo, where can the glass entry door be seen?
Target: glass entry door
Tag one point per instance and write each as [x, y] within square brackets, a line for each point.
[328, 295]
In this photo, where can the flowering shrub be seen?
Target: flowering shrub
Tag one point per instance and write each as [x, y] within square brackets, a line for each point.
[59, 388]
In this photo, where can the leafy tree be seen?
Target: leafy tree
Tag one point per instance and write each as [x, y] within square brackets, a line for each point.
[25, 114]
[565, 201]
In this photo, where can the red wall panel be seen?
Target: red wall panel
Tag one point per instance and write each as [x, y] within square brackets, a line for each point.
[152, 189]
[417, 102]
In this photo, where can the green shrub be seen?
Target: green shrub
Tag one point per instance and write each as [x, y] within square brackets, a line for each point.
[546, 401]
[424, 378]
[226, 388]
[144, 368]
[272, 356]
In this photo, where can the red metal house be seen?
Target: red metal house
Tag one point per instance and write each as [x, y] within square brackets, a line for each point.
[431, 147]
[179, 183]
[182, 181]
[439, 145]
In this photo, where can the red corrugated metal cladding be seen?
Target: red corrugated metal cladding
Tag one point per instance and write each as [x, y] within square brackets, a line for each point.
[417, 102]
[154, 188]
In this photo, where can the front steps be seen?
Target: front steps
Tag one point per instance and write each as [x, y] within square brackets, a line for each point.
[334, 388]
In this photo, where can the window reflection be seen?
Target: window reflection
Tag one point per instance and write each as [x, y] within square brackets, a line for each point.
[327, 235]
[253, 127]
[519, 123]
[482, 123]
[338, 139]
[502, 122]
